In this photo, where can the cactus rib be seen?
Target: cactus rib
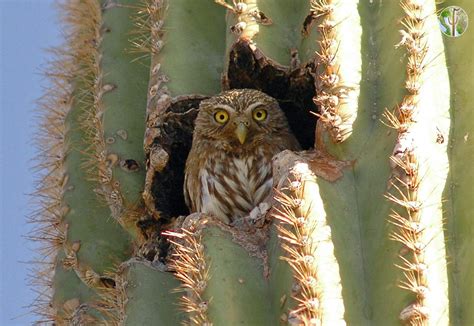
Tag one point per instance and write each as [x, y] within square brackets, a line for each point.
[338, 73]
[192, 270]
[306, 239]
[78, 259]
[417, 185]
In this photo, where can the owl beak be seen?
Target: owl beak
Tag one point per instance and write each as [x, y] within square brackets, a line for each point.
[241, 132]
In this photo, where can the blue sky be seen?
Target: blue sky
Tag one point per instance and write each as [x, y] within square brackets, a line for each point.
[26, 29]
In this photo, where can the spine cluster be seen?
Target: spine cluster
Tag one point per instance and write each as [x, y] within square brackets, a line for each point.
[76, 313]
[148, 30]
[306, 239]
[192, 270]
[331, 91]
[248, 17]
[89, 79]
[412, 225]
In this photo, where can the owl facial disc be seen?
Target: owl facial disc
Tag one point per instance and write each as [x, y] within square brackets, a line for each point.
[241, 132]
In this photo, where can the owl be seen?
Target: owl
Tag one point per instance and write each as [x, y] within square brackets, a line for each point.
[228, 170]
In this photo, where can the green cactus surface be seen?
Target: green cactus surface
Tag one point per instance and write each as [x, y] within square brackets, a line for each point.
[370, 224]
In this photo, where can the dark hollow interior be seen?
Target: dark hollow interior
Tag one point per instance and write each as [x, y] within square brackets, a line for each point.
[175, 138]
[293, 90]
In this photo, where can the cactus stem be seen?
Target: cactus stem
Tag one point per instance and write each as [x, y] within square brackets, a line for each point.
[336, 80]
[191, 269]
[74, 64]
[97, 166]
[306, 239]
[100, 163]
[418, 225]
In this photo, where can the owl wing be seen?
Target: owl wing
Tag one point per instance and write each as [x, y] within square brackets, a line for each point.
[197, 191]
[192, 189]
[190, 192]
[289, 142]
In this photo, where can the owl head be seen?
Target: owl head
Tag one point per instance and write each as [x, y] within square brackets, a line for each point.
[239, 118]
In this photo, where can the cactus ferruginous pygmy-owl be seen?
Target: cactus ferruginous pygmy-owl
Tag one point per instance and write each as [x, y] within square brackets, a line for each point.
[228, 170]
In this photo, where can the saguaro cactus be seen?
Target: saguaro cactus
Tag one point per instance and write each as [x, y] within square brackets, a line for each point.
[369, 225]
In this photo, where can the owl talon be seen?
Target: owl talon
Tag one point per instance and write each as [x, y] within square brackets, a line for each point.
[259, 212]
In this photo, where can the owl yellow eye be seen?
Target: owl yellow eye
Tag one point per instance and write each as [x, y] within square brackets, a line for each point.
[221, 116]
[260, 114]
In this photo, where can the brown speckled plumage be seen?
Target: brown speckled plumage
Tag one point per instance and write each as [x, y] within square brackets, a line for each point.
[223, 176]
